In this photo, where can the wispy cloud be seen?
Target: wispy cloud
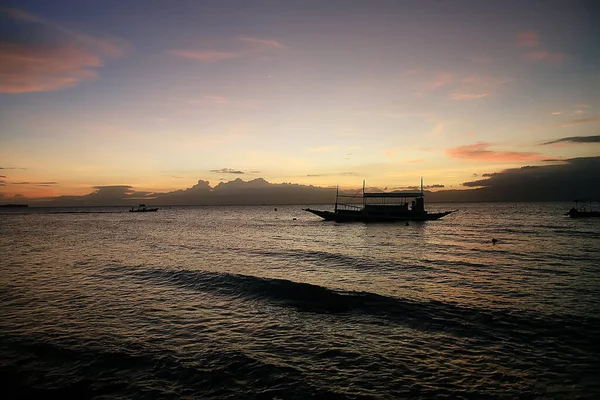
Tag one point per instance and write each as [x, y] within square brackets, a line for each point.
[323, 149]
[72, 58]
[528, 39]
[556, 113]
[441, 79]
[480, 152]
[435, 186]
[252, 46]
[467, 96]
[210, 99]
[109, 46]
[333, 174]
[481, 59]
[474, 87]
[35, 183]
[262, 42]
[464, 134]
[580, 121]
[227, 171]
[221, 101]
[204, 55]
[546, 56]
[576, 139]
[42, 68]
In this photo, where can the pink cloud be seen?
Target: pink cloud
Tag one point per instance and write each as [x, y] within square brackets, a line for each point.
[473, 87]
[69, 59]
[21, 15]
[263, 42]
[210, 99]
[479, 152]
[528, 39]
[44, 68]
[546, 56]
[481, 59]
[210, 56]
[225, 101]
[204, 55]
[580, 121]
[467, 96]
[442, 79]
[464, 135]
[108, 46]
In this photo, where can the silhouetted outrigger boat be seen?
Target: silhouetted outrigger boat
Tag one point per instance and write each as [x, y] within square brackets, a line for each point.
[380, 207]
[582, 211]
[142, 208]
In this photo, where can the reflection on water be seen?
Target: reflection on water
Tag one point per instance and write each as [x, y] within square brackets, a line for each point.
[247, 302]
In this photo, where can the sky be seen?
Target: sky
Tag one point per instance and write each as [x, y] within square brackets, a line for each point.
[156, 96]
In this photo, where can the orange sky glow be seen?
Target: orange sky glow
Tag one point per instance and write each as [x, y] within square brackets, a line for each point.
[314, 93]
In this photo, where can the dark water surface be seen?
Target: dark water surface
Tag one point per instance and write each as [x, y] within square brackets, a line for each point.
[246, 302]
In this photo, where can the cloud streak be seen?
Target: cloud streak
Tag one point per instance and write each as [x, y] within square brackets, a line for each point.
[442, 79]
[206, 56]
[467, 96]
[580, 121]
[44, 68]
[262, 42]
[227, 171]
[480, 152]
[546, 56]
[528, 39]
[253, 45]
[35, 183]
[576, 139]
[64, 61]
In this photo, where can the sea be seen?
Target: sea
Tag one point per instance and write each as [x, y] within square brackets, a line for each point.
[271, 302]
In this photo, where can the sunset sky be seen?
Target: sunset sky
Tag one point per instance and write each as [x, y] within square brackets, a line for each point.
[161, 94]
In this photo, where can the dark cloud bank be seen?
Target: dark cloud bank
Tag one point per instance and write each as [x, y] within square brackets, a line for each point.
[577, 178]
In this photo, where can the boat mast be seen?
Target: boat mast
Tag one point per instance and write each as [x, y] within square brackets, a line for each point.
[337, 191]
[421, 186]
[364, 202]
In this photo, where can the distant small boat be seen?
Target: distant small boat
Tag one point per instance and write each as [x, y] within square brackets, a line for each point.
[143, 208]
[582, 209]
[380, 207]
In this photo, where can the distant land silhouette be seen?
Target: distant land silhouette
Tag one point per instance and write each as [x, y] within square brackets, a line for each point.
[577, 178]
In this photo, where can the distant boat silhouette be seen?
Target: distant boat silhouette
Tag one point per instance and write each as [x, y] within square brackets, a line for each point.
[142, 208]
[379, 210]
[580, 210]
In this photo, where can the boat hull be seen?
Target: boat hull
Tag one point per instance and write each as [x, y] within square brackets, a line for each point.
[584, 214]
[361, 217]
[146, 210]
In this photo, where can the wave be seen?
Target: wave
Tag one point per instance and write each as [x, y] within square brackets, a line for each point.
[132, 370]
[337, 259]
[485, 324]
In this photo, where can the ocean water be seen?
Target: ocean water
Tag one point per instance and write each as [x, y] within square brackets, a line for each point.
[258, 303]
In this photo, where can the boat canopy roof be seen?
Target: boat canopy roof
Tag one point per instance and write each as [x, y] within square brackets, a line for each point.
[394, 194]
